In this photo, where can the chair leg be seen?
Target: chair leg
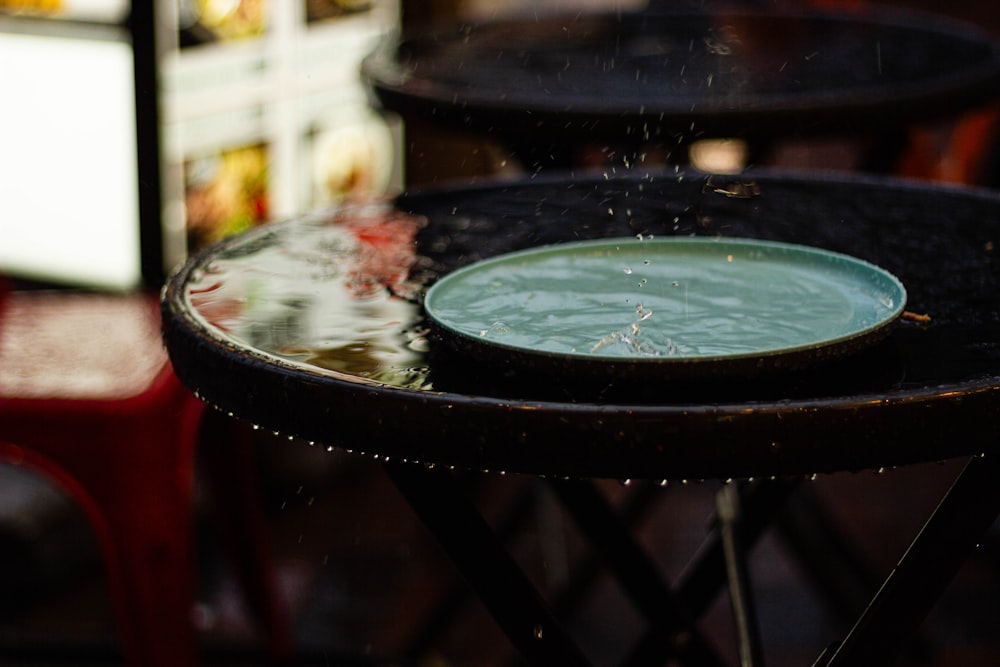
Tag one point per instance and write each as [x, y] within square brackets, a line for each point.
[132, 472]
[137, 497]
[152, 568]
[136, 490]
[226, 450]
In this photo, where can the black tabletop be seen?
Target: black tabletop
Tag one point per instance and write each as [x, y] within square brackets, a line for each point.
[313, 328]
[683, 71]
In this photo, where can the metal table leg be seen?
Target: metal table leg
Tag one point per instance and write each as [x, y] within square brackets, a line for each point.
[705, 576]
[727, 504]
[515, 516]
[950, 535]
[481, 557]
[636, 572]
[634, 507]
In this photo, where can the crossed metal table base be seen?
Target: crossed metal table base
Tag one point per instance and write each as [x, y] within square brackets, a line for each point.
[743, 513]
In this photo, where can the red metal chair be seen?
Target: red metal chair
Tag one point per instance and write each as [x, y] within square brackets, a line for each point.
[88, 397]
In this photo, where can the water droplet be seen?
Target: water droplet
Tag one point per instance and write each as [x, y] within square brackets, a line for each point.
[663, 482]
[643, 282]
[538, 631]
[675, 284]
[628, 270]
[496, 329]
[626, 482]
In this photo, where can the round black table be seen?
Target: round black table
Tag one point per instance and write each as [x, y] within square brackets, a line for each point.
[653, 80]
[313, 328]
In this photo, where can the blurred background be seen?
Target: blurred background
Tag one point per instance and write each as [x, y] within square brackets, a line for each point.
[252, 111]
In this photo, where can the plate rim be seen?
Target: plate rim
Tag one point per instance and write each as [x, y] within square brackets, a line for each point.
[820, 349]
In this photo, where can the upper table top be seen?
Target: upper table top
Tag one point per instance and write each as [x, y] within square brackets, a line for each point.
[687, 70]
[314, 328]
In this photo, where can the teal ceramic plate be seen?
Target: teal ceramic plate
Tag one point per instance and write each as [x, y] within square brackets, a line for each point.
[690, 304]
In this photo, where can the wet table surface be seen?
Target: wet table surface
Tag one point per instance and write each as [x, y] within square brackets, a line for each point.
[682, 71]
[313, 328]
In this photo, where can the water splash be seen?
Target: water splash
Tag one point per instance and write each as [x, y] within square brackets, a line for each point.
[497, 329]
[630, 341]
